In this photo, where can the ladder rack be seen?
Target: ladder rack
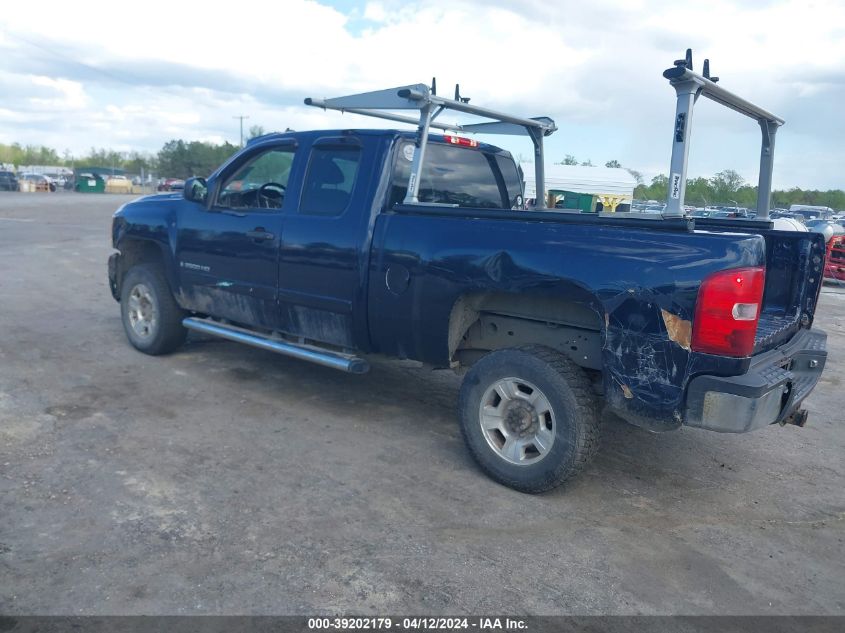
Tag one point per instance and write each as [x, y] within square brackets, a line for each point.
[689, 86]
[424, 99]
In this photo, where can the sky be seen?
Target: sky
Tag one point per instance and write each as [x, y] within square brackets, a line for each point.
[133, 76]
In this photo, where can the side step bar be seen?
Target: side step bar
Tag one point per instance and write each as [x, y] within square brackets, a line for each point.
[335, 360]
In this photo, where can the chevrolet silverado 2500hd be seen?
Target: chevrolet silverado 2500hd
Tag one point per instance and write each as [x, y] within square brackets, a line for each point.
[330, 246]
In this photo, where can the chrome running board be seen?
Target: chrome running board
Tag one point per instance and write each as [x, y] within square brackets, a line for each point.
[335, 360]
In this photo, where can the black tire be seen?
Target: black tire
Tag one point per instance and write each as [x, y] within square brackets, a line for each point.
[572, 405]
[165, 333]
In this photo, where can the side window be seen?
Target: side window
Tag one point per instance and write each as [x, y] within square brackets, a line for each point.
[260, 183]
[452, 175]
[329, 181]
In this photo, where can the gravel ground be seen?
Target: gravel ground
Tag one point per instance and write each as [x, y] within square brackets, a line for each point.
[226, 480]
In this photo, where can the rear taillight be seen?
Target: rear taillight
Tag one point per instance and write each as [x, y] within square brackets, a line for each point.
[727, 311]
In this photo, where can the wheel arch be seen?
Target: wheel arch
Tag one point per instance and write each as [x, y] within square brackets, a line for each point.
[136, 250]
[485, 321]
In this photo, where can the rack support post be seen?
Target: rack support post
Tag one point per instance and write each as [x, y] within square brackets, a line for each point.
[767, 155]
[539, 167]
[689, 86]
[687, 92]
[412, 195]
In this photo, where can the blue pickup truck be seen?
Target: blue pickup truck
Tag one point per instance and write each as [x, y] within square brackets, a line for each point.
[334, 245]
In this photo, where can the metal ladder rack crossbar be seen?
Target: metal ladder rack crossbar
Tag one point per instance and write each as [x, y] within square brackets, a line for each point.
[421, 97]
[689, 86]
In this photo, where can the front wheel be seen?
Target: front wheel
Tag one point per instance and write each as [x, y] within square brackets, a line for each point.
[151, 317]
[529, 417]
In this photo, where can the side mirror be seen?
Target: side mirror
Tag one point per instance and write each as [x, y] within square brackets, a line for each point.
[196, 190]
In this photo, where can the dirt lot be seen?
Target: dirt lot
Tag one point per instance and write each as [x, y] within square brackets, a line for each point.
[223, 479]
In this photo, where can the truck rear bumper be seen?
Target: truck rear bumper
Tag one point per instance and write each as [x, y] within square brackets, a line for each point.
[771, 391]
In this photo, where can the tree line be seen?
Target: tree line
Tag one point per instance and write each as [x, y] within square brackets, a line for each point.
[182, 159]
[725, 188]
[176, 159]
[729, 188]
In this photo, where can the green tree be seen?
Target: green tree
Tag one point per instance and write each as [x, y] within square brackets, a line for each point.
[613, 163]
[698, 192]
[726, 184]
[181, 159]
[101, 158]
[255, 131]
[658, 188]
[137, 163]
[637, 175]
[569, 159]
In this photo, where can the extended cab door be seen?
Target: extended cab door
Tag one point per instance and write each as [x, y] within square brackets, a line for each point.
[325, 249]
[227, 250]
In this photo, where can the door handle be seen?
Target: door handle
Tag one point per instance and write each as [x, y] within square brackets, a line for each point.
[259, 234]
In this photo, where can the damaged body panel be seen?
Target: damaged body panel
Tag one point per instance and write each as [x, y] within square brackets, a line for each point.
[638, 288]
[330, 244]
[360, 271]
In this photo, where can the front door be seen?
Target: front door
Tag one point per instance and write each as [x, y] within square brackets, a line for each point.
[324, 248]
[228, 251]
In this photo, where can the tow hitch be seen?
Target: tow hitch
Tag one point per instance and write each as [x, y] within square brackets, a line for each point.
[799, 418]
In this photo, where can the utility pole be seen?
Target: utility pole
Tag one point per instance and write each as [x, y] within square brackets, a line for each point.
[241, 117]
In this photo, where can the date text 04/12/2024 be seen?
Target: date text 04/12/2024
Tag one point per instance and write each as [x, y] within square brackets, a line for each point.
[417, 624]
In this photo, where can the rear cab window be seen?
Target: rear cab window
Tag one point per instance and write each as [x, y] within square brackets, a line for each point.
[465, 177]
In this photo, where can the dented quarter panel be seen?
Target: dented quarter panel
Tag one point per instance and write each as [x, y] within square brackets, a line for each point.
[635, 280]
[387, 280]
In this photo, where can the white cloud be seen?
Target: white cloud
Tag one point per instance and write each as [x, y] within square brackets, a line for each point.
[375, 12]
[69, 95]
[138, 78]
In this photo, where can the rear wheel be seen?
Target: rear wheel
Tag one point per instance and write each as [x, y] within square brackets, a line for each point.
[151, 317]
[529, 417]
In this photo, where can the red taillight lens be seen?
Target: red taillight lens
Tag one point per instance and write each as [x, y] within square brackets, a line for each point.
[727, 311]
[459, 140]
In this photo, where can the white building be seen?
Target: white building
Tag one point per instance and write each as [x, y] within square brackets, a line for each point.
[612, 185]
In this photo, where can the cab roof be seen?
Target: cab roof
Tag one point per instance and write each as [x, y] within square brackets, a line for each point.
[311, 135]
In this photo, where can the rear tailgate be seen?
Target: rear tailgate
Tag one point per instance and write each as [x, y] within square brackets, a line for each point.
[794, 268]
[788, 356]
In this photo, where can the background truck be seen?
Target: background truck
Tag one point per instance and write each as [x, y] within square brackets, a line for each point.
[333, 245]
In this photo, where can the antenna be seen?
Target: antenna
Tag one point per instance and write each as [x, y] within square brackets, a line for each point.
[434, 86]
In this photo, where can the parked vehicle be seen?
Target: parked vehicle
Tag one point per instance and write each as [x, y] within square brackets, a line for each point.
[171, 184]
[118, 184]
[332, 245]
[8, 181]
[827, 228]
[834, 268]
[36, 182]
[788, 224]
[811, 212]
